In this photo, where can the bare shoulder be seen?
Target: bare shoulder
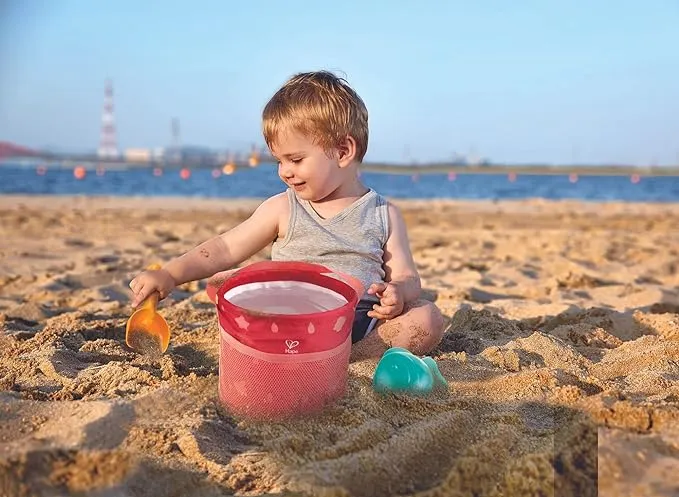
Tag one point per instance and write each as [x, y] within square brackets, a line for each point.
[276, 208]
[277, 201]
[396, 220]
[393, 208]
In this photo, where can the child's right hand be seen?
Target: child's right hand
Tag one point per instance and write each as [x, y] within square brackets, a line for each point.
[151, 281]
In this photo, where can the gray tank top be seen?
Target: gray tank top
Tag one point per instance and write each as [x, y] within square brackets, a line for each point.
[350, 242]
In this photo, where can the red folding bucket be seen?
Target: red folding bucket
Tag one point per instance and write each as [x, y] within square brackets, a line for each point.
[285, 338]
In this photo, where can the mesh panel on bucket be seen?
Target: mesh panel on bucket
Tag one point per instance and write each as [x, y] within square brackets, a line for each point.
[258, 385]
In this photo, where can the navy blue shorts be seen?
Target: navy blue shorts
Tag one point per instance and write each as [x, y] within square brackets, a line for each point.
[363, 324]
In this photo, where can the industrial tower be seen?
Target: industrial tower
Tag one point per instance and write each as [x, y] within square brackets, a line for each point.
[176, 140]
[108, 147]
[175, 151]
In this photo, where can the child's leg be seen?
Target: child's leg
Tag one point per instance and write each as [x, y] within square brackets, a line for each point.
[215, 281]
[419, 329]
[218, 279]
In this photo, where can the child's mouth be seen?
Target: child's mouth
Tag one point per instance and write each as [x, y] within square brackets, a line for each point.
[298, 186]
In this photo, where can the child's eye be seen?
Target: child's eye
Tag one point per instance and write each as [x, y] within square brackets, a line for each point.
[297, 160]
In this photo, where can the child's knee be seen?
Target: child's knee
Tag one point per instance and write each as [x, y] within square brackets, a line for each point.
[433, 322]
[425, 327]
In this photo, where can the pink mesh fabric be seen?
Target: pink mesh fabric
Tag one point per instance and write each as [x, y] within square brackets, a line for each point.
[266, 385]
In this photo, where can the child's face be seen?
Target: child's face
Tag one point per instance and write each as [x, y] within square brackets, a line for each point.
[306, 167]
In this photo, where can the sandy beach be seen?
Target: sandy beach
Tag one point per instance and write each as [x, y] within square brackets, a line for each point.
[561, 353]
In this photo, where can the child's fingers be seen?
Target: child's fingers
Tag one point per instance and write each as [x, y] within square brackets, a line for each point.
[375, 314]
[381, 317]
[382, 309]
[389, 299]
[140, 294]
[376, 288]
[382, 312]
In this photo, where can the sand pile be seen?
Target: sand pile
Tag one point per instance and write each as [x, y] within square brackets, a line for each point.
[562, 354]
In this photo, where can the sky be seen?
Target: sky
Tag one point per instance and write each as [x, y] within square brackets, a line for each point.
[525, 81]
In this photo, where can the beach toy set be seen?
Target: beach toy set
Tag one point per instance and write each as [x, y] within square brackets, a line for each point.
[285, 341]
[285, 338]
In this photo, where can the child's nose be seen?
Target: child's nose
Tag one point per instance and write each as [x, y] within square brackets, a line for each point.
[285, 171]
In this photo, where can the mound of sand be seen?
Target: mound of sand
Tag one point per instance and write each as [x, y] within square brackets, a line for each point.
[562, 354]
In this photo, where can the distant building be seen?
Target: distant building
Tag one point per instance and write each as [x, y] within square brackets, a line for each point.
[158, 153]
[137, 155]
[173, 154]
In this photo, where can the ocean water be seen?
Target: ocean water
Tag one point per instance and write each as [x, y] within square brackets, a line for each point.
[263, 181]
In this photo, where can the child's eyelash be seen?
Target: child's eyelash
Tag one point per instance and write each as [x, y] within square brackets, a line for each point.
[294, 161]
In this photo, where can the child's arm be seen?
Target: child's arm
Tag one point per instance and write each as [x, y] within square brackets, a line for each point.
[230, 248]
[402, 279]
[216, 254]
[399, 264]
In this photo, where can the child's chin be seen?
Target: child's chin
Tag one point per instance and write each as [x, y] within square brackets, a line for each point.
[305, 195]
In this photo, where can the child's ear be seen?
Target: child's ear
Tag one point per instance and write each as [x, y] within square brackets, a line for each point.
[346, 151]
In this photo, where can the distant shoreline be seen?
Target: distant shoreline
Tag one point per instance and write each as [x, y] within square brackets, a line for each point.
[372, 167]
[552, 170]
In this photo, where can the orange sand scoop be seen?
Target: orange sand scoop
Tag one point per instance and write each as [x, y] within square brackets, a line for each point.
[147, 331]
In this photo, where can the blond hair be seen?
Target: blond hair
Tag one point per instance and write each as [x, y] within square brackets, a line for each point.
[321, 106]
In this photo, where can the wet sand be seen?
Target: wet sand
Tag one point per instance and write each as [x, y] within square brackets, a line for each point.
[561, 353]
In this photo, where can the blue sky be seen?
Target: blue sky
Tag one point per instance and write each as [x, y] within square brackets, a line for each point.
[514, 81]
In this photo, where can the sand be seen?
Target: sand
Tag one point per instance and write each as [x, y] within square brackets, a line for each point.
[561, 352]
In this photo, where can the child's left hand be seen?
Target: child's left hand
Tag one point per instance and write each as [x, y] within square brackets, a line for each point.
[391, 301]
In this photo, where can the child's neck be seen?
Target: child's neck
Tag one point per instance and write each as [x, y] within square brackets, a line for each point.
[341, 198]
